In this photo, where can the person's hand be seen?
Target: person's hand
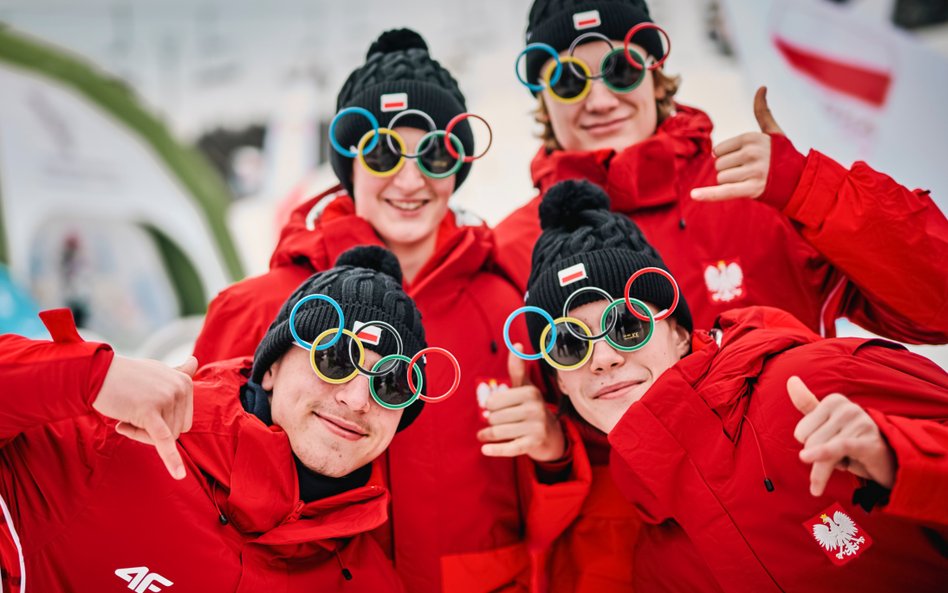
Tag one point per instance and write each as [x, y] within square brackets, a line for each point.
[838, 434]
[520, 422]
[153, 403]
[743, 162]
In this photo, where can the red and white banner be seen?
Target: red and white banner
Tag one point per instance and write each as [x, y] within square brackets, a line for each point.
[849, 84]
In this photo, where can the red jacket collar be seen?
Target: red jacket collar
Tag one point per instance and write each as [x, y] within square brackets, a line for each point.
[257, 487]
[643, 175]
[723, 375]
[324, 227]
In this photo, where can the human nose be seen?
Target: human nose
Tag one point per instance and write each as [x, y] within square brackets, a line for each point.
[410, 178]
[600, 97]
[604, 357]
[355, 394]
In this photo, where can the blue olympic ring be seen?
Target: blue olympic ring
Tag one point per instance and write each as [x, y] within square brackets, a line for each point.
[538, 311]
[345, 151]
[317, 297]
[556, 72]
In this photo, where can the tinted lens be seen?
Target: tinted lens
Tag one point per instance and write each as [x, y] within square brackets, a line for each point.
[436, 158]
[620, 74]
[569, 85]
[382, 158]
[629, 330]
[334, 362]
[569, 349]
[392, 388]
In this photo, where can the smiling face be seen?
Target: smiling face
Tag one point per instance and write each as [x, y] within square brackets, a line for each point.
[406, 208]
[611, 381]
[604, 118]
[333, 429]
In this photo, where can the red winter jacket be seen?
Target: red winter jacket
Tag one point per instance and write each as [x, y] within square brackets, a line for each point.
[821, 243]
[461, 522]
[95, 511]
[693, 453]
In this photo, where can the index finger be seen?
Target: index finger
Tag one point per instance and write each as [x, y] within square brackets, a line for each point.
[165, 445]
[507, 398]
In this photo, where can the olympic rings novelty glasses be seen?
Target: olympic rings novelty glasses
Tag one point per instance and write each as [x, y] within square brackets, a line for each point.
[573, 83]
[566, 342]
[439, 153]
[334, 359]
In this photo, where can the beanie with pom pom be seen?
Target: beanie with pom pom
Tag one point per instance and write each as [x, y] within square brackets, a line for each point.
[367, 283]
[582, 244]
[399, 74]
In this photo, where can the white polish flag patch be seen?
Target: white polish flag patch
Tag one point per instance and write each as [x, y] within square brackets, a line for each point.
[586, 20]
[572, 274]
[394, 102]
[369, 335]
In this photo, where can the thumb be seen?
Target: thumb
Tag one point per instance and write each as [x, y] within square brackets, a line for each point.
[516, 368]
[188, 367]
[765, 118]
[801, 396]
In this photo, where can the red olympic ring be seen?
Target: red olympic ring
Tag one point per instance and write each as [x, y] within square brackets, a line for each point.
[628, 39]
[455, 121]
[663, 314]
[457, 373]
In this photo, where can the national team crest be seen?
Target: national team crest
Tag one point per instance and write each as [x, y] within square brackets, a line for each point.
[485, 387]
[586, 20]
[394, 102]
[840, 537]
[725, 281]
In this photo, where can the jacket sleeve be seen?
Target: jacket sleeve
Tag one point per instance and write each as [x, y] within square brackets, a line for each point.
[551, 508]
[49, 381]
[887, 244]
[911, 412]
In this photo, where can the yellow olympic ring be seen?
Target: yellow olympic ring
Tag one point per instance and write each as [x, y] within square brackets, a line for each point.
[566, 60]
[312, 356]
[360, 151]
[553, 363]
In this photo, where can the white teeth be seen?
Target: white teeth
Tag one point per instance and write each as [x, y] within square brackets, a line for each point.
[407, 206]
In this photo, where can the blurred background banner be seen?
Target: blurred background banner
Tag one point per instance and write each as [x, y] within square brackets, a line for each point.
[102, 211]
[850, 84]
[151, 149]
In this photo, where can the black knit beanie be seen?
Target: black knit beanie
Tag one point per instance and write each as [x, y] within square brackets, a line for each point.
[398, 62]
[558, 22]
[586, 241]
[367, 283]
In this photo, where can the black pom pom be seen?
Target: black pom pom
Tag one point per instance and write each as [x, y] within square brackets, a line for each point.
[372, 257]
[396, 40]
[563, 203]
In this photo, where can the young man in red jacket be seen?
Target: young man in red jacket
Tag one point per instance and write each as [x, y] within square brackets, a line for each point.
[736, 491]
[468, 509]
[272, 483]
[749, 222]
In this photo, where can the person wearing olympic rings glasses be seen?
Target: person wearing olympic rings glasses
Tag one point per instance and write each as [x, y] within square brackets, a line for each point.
[481, 481]
[750, 221]
[265, 471]
[759, 456]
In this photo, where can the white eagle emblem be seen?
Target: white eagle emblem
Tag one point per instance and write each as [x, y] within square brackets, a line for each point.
[838, 534]
[725, 281]
[486, 388]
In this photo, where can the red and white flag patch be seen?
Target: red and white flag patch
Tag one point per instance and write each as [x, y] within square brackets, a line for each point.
[394, 102]
[369, 335]
[574, 273]
[841, 539]
[586, 20]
